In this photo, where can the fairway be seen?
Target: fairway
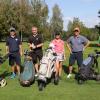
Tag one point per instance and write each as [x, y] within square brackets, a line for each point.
[68, 89]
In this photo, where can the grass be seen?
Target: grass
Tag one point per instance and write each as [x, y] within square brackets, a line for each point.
[67, 89]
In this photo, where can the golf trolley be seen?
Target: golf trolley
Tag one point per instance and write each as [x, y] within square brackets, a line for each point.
[2, 60]
[47, 69]
[89, 69]
[27, 76]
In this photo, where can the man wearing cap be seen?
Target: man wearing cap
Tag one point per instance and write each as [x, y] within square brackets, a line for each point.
[14, 48]
[58, 46]
[35, 45]
[76, 45]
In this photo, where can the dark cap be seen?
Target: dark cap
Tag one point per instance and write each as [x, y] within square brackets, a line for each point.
[12, 29]
[57, 33]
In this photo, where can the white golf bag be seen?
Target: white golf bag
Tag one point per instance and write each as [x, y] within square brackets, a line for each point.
[47, 67]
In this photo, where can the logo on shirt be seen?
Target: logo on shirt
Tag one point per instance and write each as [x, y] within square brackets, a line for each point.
[16, 39]
[36, 38]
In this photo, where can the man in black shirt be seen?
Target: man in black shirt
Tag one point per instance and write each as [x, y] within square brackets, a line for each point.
[14, 48]
[35, 44]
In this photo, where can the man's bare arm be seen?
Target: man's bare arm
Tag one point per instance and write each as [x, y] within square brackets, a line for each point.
[69, 48]
[88, 43]
[7, 49]
[21, 51]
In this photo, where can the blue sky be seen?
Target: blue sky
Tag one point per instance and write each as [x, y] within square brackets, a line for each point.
[86, 10]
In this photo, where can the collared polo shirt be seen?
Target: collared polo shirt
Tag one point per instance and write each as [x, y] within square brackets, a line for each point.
[77, 43]
[36, 40]
[58, 45]
[13, 43]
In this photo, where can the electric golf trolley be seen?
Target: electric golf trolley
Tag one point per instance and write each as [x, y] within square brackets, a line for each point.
[89, 69]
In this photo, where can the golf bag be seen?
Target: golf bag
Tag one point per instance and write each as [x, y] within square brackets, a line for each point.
[3, 82]
[87, 70]
[27, 75]
[47, 67]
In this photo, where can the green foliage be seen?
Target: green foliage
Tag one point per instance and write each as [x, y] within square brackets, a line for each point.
[23, 14]
[56, 20]
[90, 33]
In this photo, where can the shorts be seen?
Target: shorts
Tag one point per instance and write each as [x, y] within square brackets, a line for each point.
[36, 56]
[76, 56]
[60, 57]
[14, 59]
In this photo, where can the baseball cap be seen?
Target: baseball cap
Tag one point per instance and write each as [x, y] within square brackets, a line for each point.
[12, 29]
[76, 29]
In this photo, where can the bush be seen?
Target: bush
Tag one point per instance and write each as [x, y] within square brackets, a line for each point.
[94, 45]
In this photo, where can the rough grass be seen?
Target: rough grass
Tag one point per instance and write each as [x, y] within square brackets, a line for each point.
[68, 89]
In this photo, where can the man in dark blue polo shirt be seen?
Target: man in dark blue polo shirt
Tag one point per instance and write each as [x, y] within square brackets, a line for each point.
[76, 45]
[35, 44]
[14, 48]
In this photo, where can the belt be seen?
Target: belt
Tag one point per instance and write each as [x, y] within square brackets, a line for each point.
[14, 52]
[77, 52]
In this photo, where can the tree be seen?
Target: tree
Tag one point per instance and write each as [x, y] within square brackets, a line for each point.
[23, 14]
[90, 33]
[13, 14]
[56, 22]
[39, 15]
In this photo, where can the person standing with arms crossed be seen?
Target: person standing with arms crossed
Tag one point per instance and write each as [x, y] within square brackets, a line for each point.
[35, 45]
[14, 48]
[76, 45]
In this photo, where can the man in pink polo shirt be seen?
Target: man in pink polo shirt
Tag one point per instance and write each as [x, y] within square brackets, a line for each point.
[59, 50]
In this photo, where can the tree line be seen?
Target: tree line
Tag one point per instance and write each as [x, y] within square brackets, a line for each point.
[23, 14]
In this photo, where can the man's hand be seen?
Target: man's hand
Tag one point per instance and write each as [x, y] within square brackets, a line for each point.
[32, 46]
[83, 49]
[7, 52]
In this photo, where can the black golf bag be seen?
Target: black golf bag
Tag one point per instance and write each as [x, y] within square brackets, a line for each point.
[47, 68]
[88, 68]
[2, 60]
[27, 76]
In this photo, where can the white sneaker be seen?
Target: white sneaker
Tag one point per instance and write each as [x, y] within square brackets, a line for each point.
[69, 76]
